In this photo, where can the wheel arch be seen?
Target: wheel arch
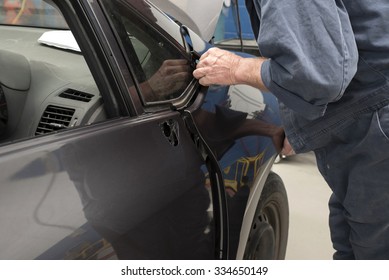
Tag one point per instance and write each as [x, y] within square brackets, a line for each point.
[251, 209]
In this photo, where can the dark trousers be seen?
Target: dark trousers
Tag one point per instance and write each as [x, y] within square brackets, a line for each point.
[355, 164]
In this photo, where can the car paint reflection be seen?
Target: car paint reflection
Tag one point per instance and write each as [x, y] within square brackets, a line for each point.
[154, 227]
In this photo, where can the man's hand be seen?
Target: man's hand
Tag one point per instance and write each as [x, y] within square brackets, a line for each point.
[221, 67]
[217, 66]
[287, 149]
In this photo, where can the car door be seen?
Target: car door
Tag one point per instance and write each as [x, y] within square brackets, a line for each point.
[128, 178]
[236, 129]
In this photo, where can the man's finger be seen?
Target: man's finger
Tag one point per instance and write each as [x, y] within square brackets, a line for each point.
[199, 73]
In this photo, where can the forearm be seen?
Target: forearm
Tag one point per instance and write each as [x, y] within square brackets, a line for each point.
[248, 71]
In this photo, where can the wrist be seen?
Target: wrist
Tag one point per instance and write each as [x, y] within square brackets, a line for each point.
[248, 71]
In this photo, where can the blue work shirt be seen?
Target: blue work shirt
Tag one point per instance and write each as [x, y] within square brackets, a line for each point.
[328, 62]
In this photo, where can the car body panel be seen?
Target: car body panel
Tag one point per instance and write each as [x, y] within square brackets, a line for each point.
[63, 183]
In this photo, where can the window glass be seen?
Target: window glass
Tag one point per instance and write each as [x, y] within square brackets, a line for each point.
[45, 82]
[30, 13]
[161, 69]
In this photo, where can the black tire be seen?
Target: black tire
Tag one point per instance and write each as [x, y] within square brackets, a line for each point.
[268, 236]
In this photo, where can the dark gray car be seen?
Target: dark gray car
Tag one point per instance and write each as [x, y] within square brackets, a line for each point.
[111, 149]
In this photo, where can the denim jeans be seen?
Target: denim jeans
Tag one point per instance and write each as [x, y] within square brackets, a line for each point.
[355, 164]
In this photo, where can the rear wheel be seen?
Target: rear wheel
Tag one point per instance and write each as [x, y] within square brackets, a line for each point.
[269, 231]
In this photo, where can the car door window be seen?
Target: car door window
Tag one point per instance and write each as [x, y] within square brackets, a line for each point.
[45, 82]
[162, 71]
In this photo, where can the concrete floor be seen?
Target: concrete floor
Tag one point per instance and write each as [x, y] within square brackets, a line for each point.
[308, 196]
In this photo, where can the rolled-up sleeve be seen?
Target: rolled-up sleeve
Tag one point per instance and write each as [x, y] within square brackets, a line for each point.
[311, 51]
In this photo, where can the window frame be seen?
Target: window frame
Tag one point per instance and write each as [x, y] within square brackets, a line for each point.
[132, 62]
